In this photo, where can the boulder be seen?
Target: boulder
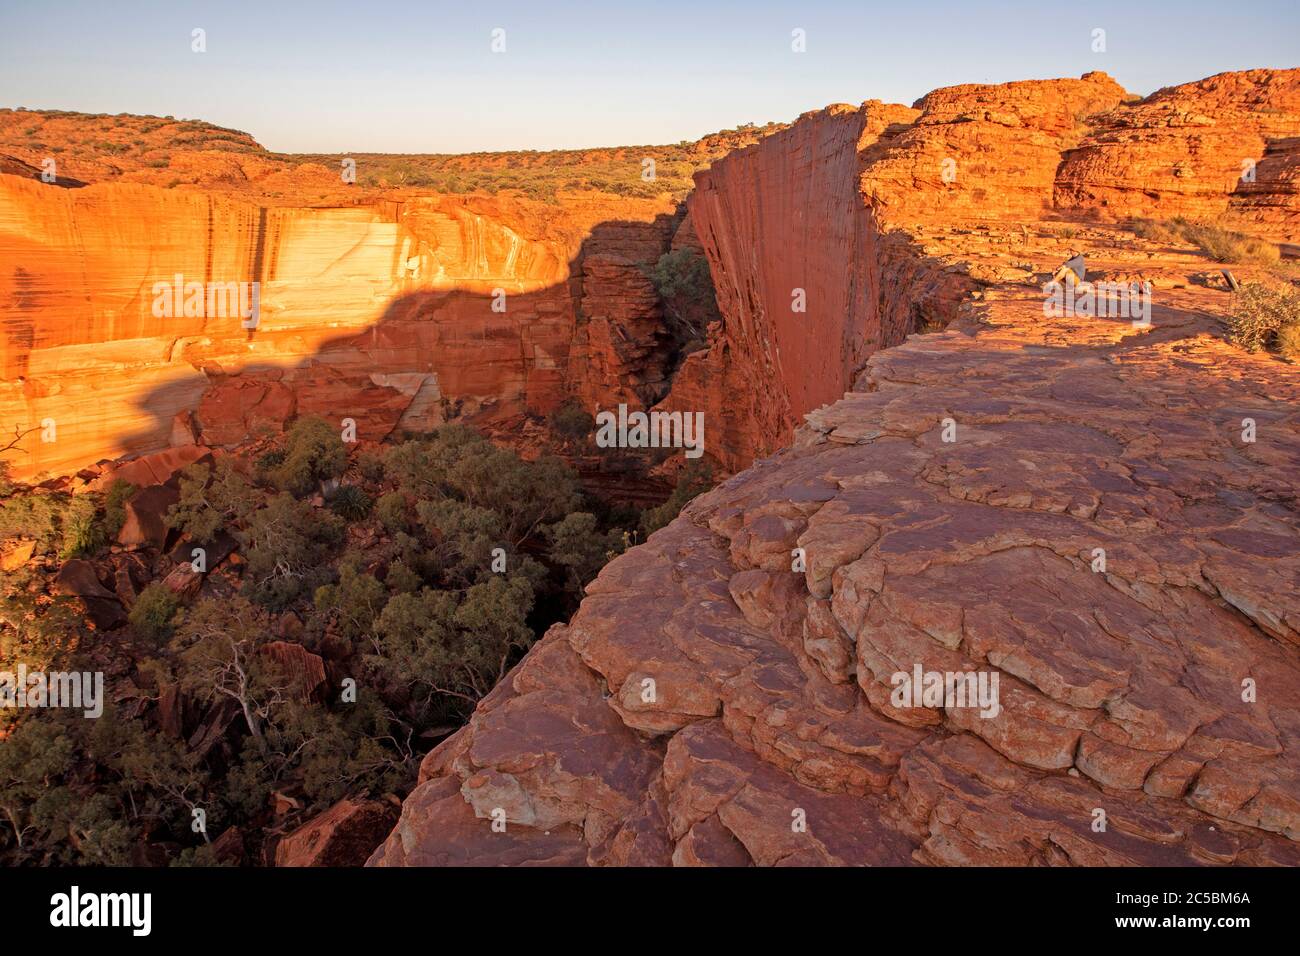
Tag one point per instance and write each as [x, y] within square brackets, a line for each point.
[146, 511]
[344, 835]
[304, 670]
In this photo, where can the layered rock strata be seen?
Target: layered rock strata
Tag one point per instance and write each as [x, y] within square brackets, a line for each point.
[399, 313]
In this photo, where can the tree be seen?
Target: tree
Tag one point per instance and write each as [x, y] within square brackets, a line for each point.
[523, 493]
[685, 286]
[33, 759]
[572, 422]
[161, 781]
[435, 644]
[313, 452]
[211, 499]
[392, 512]
[154, 612]
[355, 601]
[462, 538]
[287, 544]
[115, 499]
[217, 655]
[578, 545]
[41, 634]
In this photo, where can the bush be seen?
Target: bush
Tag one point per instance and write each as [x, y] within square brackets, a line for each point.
[33, 515]
[351, 502]
[115, 505]
[572, 422]
[313, 452]
[685, 285]
[1217, 242]
[154, 613]
[287, 545]
[82, 532]
[577, 544]
[694, 479]
[1288, 341]
[392, 513]
[401, 579]
[1266, 317]
[356, 601]
[211, 499]
[267, 463]
[371, 466]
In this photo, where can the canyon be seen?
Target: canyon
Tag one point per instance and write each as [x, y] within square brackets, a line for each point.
[921, 470]
[1076, 505]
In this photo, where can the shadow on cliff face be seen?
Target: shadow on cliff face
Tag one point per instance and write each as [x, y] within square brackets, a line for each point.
[487, 356]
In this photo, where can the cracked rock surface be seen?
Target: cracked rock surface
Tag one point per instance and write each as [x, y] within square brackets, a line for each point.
[1096, 533]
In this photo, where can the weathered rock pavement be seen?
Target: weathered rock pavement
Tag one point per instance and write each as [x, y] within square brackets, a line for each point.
[1124, 690]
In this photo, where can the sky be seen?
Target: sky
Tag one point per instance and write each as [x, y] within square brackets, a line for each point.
[408, 76]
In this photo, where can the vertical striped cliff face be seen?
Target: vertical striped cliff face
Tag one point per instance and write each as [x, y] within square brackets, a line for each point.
[790, 247]
[381, 312]
[808, 283]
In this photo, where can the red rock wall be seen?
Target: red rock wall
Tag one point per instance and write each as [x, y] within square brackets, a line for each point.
[779, 216]
[983, 151]
[382, 313]
[1181, 152]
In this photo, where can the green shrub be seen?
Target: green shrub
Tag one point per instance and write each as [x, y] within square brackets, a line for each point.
[154, 613]
[313, 452]
[115, 499]
[287, 545]
[83, 534]
[351, 502]
[392, 512]
[693, 480]
[32, 515]
[211, 499]
[267, 463]
[356, 600]
[685, 286]
[572, 422]
[371, 466]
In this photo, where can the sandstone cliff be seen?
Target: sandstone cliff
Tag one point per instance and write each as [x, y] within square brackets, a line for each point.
[384, 313]
[795, 252]
[1222, 144]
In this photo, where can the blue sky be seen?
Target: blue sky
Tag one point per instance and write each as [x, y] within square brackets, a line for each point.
[408, 76]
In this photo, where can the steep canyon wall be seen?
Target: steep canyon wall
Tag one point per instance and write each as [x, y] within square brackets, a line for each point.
[386, 313]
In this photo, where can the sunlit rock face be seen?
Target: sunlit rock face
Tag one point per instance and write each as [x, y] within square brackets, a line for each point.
[410, 312]
[1223, 145]
[792, 249]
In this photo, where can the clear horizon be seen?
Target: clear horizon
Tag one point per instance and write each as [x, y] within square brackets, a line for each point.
[408, 77]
